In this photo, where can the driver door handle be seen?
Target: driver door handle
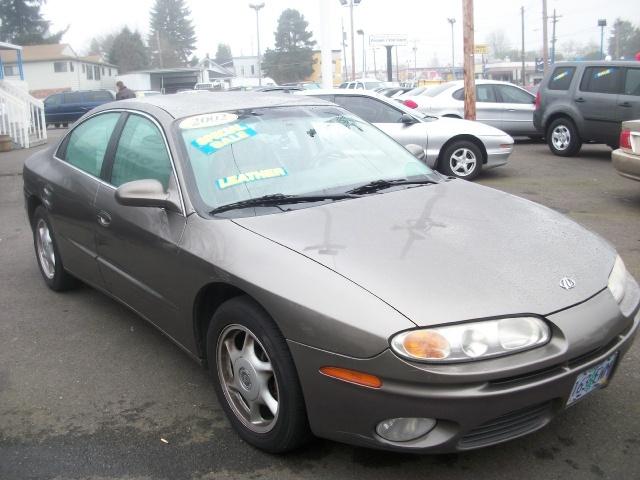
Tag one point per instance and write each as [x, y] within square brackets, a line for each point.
[580, 100]
[104, 219]
[625, 104]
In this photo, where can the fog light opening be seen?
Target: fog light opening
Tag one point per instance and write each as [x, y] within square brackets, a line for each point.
[404, 429]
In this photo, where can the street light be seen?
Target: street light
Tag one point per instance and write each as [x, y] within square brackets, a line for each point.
[257, 7]
[351, 4]
[364, 54]
[453, 74]
[602, 22]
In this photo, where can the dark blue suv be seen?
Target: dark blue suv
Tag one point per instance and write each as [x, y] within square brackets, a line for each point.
[64, 108]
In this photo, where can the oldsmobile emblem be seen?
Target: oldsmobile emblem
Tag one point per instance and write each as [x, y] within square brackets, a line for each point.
[567, 283]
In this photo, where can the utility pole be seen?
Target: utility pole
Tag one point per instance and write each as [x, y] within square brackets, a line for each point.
[453, 74]
[545, 37]
[344, 52]
[553, 37]
[522, 75]
[364, 54]
[397, 66]
[353, 44]
[375, 68]
[415, 61]
[469, 62]
[257, 7]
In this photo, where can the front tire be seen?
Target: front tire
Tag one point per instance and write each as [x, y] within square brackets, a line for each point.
[255, 378]
[48, 255]
[461, 159]
[562, 138]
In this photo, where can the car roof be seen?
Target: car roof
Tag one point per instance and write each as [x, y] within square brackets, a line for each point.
[598, 63]
[179, 106]
[340, 91]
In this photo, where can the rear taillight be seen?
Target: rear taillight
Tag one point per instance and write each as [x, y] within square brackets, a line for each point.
[538, 99]
[625, 139]
[410, 103]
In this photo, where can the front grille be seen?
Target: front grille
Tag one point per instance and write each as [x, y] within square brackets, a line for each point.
[507, 426]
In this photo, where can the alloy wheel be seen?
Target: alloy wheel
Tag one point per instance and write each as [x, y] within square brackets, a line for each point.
[248, 378]
[44, 246]
[463, 162]
[561, 137]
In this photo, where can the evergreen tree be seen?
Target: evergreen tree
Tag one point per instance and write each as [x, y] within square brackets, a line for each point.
[22, 23]
[172, 37]
[624, 40]
[292, 58]
[128, 51]
[101, 45]
[223, 55]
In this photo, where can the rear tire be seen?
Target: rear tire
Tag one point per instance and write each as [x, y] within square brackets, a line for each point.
[253, 374]
[563, 138]
[48, 255]
[462, 159]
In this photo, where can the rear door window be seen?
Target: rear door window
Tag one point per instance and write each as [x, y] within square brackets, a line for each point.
[561, 78]
[632, 82]
[89, 141]
[484, 93]
[601, 79]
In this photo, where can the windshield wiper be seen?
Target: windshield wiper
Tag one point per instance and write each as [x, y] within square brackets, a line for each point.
[378, 185]
[277, 199]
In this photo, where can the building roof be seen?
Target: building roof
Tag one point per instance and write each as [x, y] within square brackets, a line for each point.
[49, 52]
[179, 106]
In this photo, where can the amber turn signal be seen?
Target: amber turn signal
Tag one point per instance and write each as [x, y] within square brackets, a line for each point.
[352, 376]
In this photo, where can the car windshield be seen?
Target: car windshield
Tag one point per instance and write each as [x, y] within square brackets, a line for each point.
[372, 85]
[241, 155]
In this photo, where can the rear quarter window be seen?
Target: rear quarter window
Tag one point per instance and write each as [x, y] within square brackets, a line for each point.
[561, 78]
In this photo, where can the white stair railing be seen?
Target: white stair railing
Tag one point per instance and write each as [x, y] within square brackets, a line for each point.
[21, 116]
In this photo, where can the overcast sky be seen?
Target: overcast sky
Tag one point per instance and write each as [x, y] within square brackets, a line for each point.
[424, 21]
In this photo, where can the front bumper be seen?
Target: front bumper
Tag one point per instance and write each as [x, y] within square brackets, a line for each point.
[498, 150]
[475, 404]
[626, 163]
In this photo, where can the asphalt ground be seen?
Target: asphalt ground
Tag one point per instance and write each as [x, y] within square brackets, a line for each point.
[89, 390]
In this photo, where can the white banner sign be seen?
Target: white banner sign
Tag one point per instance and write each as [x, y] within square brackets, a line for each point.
[395, 40]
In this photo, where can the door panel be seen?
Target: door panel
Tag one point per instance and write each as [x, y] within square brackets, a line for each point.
[628, 107]
[71, 194]
[517, 110]
[138, 247]
[596, 98]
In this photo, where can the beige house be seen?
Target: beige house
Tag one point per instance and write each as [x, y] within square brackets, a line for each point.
[56, 68]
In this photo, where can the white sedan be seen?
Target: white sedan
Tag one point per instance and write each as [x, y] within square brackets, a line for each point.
[499, 104]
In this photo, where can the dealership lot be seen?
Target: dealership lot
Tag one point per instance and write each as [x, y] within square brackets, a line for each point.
[88, 390]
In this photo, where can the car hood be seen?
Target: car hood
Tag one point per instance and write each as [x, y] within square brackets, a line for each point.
[454, 126]
[448, 252]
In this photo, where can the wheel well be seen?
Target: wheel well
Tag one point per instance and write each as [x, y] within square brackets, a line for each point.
[451, 115]
[33, 202]
[553, 117]
[207, 301]
[470, 138]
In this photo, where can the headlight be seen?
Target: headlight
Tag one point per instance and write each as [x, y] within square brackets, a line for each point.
[472, 341]
[618, 279]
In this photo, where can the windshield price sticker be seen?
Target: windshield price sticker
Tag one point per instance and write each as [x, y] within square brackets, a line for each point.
[214, 141]
[248, 177]
[561, 75]
[208, 120]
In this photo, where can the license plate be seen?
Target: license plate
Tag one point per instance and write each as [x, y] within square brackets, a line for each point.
[592, 379]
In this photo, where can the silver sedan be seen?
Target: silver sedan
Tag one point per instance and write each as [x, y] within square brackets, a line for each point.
[455, 147]
[499, 104]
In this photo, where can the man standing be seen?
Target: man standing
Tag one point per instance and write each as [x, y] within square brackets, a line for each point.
[123, 91]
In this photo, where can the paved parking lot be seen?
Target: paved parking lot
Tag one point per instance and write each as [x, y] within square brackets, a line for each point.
[88, 390]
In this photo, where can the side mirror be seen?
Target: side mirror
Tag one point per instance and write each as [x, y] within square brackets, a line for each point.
[416, 150]
[145, 193]
[407, 119]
